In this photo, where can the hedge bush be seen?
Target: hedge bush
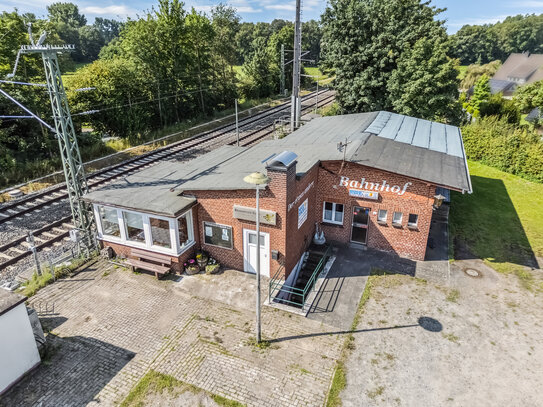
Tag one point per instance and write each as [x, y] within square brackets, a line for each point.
[495, 142]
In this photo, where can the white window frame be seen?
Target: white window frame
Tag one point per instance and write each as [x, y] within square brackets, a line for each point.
[413, 224]
[217, 224]
[379, 220]
[333, 221]
[176, 248]
[394, 222]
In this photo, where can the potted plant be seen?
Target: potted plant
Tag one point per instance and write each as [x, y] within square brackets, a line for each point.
[191, 267]
[202, 259]
[212, 266]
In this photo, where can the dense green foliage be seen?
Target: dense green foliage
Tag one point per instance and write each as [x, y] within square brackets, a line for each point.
[424, 84]
[366, 41]
[529, 97]
[496, 142]
[484, 43]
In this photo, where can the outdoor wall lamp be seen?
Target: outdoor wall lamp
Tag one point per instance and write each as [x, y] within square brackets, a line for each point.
[438, 201]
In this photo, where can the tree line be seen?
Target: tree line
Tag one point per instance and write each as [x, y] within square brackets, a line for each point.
[485, 43]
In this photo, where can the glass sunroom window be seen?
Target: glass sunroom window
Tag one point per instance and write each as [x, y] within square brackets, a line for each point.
[160, 232]
[184, 228]
[133, 223]
[109, 221]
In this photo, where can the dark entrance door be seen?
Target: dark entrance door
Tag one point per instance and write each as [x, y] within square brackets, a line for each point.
[359, 233]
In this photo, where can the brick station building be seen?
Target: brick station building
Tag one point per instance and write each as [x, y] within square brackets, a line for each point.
[364, 179]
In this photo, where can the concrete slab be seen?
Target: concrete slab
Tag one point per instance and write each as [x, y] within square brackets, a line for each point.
[337, 299]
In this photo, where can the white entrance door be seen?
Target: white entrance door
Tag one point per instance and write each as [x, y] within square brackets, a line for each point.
[249, 252]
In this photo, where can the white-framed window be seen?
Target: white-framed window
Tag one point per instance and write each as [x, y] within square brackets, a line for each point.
[160, 232]
[137, 229]
[382, 215]
[185, 231]
[397, 218]
[133, 223]
[413, 220]
[218, 235]
[109, 220]
[333, 212]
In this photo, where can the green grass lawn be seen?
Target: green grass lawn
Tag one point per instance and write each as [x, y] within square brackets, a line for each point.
[502, 221]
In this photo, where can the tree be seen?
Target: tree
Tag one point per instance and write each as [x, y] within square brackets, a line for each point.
[311, 39]
[474, 43]
[200, 36]
[118, 92]
[91, 41]
[529, 97]
[244, 42]
[225, 25]
[67, 13]
[363, 41]
[481, 93]
[425, 83]
[260, 74]
[496, 105]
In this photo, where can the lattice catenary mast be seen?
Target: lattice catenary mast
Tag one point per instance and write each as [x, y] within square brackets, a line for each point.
[72, 164]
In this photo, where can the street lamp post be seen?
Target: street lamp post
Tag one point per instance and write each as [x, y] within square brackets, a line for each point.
[257, 179]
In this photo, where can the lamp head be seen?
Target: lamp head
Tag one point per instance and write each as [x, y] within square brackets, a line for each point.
[438, 200]
[256, 178]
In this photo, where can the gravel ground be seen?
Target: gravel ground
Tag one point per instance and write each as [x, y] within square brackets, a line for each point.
[482, 347]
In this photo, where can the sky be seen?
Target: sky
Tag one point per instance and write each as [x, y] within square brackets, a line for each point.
[458, 13]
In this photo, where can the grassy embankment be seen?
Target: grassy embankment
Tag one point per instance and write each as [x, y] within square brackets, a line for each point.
[501, 222]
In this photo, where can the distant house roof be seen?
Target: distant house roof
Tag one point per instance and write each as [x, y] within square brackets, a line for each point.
[521, 68]
[501, 86]
[416, 148]
[534, 115]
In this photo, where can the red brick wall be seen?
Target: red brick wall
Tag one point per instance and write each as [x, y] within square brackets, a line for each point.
[417, 199]
[218, 207]
[285, 190]
[298, 239]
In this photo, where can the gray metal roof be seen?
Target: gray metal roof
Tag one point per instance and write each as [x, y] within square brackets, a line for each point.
[415, 148]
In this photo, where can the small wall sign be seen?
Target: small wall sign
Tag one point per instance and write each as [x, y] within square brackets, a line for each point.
[302, 214]
[245, 213]
[357, 193]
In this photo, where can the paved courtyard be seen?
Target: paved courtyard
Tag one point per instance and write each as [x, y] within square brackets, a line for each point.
[482, 346]
[110, 327]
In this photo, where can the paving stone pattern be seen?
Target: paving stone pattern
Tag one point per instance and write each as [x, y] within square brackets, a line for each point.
[109, 330]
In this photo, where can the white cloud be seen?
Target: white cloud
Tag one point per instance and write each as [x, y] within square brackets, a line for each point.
[120, 10]
[282, 7]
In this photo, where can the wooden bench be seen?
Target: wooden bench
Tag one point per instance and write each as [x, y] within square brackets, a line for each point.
[158, 263]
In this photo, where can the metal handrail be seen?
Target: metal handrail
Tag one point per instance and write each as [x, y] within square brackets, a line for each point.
[275, 282]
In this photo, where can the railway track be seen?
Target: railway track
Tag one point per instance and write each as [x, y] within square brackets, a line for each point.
[16, 250]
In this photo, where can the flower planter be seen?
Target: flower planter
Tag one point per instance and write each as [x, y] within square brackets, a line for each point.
[202, 259]
[213, 268]
[190, 270]
[191, 267]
